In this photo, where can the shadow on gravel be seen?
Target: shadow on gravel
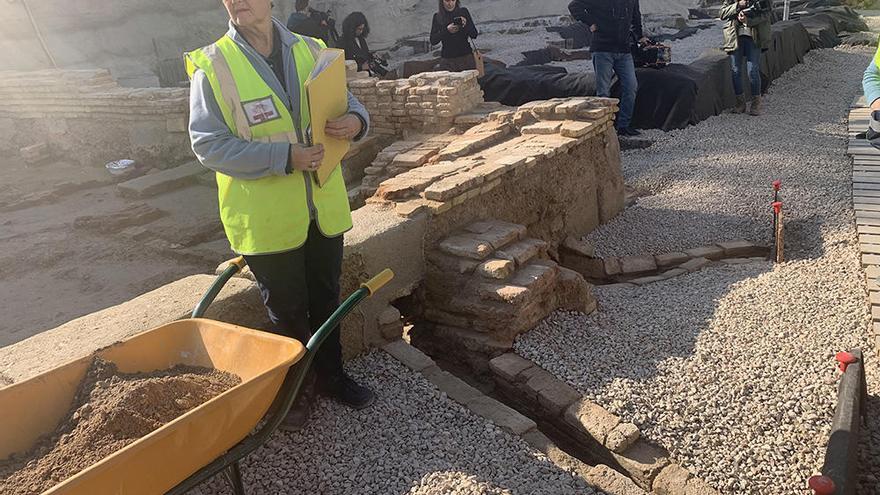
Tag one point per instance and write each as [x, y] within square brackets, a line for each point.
[804, 239]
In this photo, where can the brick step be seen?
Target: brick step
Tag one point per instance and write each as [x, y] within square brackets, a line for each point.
[481, 239]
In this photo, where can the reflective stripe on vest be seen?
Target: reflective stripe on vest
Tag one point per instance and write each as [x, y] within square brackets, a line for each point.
[271, 214]
[877, 55]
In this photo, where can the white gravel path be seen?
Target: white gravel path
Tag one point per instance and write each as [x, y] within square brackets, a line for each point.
[713, 181]
[412, 440]
[732, 368]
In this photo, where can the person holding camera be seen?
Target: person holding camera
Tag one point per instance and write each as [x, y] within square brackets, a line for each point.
[453, 27]
[746, 35]
[613, 23]
[355, 30]
[313, 23]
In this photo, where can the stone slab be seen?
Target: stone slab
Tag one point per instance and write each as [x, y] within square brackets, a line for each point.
[408, 355]
[739, 248]
[451, 385]
[591, 418]
[695, 264]
[503, 416]
[508, 366]
[670, 259]
[637, 264]
[643, 461]
[622, 436]
[160, 182]
[523, 251]
[466, 247]
[611, 482]
[709, 252]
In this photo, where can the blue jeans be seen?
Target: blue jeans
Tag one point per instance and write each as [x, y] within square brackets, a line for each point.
[607, 63]
[746, 49]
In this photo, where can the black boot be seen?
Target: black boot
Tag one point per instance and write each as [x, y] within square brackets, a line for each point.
[347, 391]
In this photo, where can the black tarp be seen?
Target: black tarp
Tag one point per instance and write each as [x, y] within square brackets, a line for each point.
[680, 95]
[822, 30]
[517, 85]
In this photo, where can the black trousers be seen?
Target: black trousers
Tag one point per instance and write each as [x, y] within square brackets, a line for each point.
[300, 288]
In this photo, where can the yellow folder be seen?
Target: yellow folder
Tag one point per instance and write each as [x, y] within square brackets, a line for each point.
[328, 99]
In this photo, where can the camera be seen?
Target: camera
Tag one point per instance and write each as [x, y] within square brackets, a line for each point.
[378, 67]
[757, 7]
[458, 21]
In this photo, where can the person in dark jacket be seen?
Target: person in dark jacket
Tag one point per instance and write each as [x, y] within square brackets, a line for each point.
[746, 35]
[613, 22]
[310, 22]
[355, 30]
[453, 27]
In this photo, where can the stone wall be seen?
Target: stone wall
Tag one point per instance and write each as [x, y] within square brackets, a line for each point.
[129, 37]
[428, 101]
[87, 117]
[552, 166]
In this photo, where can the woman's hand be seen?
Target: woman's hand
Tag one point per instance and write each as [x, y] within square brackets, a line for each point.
[452, 28]
[306, 158]
[741, 17]
[594, 28]
[346, 127]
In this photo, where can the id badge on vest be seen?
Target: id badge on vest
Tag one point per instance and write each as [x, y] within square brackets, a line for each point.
[260, 111]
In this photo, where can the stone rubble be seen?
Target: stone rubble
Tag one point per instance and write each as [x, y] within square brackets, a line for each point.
[439, 171]
[487, 284]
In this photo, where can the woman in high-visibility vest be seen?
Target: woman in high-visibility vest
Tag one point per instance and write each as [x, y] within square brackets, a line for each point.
[871, 88]
[249, 122]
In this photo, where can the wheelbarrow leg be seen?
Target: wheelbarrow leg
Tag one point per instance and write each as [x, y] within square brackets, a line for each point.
[233, 476]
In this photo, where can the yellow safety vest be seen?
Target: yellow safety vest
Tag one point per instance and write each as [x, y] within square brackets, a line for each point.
[877, 56]
[271, 214]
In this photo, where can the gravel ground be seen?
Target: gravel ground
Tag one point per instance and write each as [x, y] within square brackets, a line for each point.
[412, 440]
[713, 181]
[732, 368]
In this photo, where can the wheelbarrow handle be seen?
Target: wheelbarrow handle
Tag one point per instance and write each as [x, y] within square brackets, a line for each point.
[233, 266]
[376, 283]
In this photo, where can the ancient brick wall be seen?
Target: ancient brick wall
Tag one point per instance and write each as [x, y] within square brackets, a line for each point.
[85, 116]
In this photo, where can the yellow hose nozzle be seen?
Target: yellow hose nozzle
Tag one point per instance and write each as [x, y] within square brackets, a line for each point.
[374, 284]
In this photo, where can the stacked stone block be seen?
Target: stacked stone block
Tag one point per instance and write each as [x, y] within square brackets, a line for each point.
[401, 157]
[88, 117]
[428, 101]
[419, 174]
[488, 283]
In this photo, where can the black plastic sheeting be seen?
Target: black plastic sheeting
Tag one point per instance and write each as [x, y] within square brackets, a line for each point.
[677, 95]
[514, 86]
[681, 95]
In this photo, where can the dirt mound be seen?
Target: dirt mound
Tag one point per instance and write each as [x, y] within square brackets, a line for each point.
[110, 410]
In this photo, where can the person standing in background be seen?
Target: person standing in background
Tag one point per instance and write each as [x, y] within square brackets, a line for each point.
[613, 22]
[746, 35]
[453, 26]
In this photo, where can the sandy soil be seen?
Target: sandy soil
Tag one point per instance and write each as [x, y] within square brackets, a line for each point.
[54, 271]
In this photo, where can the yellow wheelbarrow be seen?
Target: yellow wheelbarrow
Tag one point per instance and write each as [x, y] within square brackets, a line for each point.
[207, 440]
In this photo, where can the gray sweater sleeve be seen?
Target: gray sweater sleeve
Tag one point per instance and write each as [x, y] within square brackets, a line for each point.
[218, 148]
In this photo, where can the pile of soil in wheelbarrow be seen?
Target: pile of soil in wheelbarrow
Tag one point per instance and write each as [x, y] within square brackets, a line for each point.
[110, 410]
